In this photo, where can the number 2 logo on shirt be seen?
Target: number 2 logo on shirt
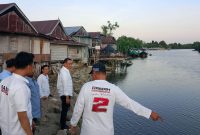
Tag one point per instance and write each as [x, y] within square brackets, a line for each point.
[99, 104]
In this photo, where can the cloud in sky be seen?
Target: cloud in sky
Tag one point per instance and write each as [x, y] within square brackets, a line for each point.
[169, 20]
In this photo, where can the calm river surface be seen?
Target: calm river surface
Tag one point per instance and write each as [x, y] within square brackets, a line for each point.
[167, 82]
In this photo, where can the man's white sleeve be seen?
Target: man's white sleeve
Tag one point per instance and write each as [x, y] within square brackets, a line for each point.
[78, 109]
[125, 101]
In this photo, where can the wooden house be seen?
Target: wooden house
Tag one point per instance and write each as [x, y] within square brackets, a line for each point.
[96, 38]
[108, 40]
[79, 34]
[18, 34]
[62, 46]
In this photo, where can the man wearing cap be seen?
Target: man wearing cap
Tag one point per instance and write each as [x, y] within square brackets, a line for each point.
[96, 101]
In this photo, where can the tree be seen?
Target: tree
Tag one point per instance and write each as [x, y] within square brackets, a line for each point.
[107, 30]
[125, 43]
[163, 44]
[104, 30]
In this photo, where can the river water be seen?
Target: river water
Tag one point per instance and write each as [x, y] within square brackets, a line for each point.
[167, 82]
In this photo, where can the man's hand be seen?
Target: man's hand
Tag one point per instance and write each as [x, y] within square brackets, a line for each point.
[33, 126]
[154, 116]
[67, 100]
[73, 130]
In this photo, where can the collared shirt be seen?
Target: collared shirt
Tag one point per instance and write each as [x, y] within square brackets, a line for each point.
[14, 97]
[43, 82]
[64, 82]
[96, 101]
[5, 74]
[35, 97]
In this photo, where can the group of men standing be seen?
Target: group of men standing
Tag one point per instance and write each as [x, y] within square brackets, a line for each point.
[24, 100]
[21, 97]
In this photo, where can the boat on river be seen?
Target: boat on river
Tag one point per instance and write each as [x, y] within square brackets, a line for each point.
[135, 53]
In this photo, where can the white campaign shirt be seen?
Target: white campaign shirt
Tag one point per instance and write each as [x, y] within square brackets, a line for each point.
[14, 97]
[43, 82]
[96, 100]
[64, 82]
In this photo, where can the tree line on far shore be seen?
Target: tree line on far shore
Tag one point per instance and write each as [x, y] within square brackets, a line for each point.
[125, 43]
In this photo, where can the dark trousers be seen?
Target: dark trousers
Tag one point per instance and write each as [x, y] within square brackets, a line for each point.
[0, 131]
[65, 109]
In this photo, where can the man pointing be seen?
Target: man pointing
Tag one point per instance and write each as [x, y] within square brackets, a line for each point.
[97, 99]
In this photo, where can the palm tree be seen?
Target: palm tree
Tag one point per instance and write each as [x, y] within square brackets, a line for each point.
[104, 30]
[108, 30]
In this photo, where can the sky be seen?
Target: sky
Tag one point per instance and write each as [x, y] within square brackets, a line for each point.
[168, 20]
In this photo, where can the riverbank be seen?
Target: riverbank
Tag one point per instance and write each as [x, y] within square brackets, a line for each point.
[80, 76]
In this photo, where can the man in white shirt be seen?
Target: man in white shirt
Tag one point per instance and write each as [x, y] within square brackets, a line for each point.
[10, 68]
[15, 104]
[96, 100]
[43, 82]
[65, 90]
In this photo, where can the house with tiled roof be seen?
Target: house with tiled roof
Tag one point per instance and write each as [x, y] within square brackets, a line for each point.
[75, 30]
[79, 34]
[108, 40]
[108, 46]
[18, 34]
[52, 28]
[62, 45]
[96, 38]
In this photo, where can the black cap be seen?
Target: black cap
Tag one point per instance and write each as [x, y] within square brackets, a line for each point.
[98, 67]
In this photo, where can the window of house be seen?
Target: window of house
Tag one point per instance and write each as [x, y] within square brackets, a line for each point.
[13, 44]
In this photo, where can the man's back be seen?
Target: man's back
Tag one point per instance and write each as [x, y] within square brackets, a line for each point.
[99, 103]
[98, 98]
[14, 97]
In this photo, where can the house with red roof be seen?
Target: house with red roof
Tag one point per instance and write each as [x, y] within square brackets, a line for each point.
[62, 45]
[45, 39]
[17, 34]
[108, 40]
